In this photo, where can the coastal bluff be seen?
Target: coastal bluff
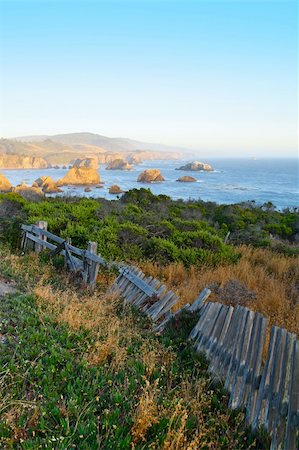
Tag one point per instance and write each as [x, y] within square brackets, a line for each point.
[83, 172]
[5, 185]
[10, 161]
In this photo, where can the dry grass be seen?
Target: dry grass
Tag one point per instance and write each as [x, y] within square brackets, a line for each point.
[146, 412]
[96, 313]
[273, 277]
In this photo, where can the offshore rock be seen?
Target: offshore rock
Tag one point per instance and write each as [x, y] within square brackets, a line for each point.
[119, 164]
[114, 189]
[150, 176]
[186, 179]
[84, 171]
[195, 166]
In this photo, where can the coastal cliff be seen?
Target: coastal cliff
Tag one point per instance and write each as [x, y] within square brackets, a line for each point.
[10, 161]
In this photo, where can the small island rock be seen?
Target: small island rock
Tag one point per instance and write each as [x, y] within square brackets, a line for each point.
[5, 185]
[195, 166]
[150, 176]
[47, 184]
[84, 171]
[119, 164]
[114, 189]
[186, 179]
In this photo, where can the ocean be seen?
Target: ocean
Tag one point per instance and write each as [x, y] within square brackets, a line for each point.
[232, 181]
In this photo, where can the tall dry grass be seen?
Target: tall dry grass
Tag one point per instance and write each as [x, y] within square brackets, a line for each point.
[274, 278]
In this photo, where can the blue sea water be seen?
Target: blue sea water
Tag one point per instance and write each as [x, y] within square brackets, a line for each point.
[232, 181]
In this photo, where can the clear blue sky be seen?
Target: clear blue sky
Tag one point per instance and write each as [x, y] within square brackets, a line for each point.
[220, 77]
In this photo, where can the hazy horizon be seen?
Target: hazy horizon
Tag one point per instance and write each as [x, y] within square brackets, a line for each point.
[218, 78]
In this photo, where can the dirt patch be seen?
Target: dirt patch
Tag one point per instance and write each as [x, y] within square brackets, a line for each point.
[7, 287]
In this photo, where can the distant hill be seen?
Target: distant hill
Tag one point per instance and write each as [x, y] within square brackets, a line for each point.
[62, 148]
[106, 143]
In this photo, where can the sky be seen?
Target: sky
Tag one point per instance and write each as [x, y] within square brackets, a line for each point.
[219, 77]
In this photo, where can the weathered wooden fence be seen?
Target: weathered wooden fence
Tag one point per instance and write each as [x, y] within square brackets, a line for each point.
[232, 338]
[84, 264]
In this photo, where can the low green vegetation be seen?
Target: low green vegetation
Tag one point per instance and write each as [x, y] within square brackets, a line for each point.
[142, 226]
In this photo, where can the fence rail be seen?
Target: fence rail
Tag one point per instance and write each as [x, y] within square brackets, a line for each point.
[84, 265]
[232, 338]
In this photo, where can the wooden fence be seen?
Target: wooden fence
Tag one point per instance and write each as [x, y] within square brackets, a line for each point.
[232, 338]
[84, 264]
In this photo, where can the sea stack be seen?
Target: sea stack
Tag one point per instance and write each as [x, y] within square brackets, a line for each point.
[196, 166]
[83, 172]
[187, 179]
[119, 164]
[114, 189]
[150, 176]
[47, 184]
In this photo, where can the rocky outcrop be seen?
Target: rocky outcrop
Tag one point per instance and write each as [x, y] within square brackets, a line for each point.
[150, 176]
[47, 184]
[11, 161]
[134, 158]
[28, 192]
[186, 179]
[196, 166]
[119, 164]
[114, 189]
[5, 185]
[84, 171]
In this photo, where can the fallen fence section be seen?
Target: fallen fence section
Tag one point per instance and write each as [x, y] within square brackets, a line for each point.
[147, 294]
[233, 339]
[84, 264]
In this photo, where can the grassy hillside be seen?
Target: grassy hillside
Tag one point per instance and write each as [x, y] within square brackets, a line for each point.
[83, 371]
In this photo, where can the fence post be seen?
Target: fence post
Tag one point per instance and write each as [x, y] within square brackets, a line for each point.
[93, 268]
[44, 226]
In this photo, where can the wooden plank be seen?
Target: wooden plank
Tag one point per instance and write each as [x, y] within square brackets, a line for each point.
[154, 310]
[225, 351]
[197, 304]
[42, 225]
[214, 337]
[138, 282]
[203, 322]
[203, 313]
[217, 350]
[171, 302]
[252, 363]
[265, 380]
[93, 269]
[154, 299]
[241, 358]
[292, 431]
[207, 330]
[277, 375]
[280, 402]
[236, 348]
[161, 326]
